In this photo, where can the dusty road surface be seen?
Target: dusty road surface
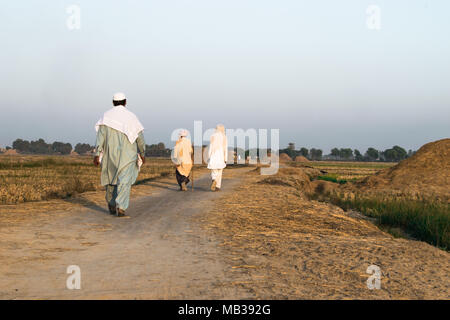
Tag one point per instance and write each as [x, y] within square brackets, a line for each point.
[256, 239]
[159, 252]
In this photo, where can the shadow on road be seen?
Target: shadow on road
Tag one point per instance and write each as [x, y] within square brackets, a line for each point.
[88, 204]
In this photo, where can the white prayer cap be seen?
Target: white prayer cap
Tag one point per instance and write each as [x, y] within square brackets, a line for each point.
[183, 133]
[119, 96]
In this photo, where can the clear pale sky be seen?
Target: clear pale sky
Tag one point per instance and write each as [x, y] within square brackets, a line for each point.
[309, 68]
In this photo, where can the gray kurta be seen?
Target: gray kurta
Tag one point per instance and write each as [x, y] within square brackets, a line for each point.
[119, 162]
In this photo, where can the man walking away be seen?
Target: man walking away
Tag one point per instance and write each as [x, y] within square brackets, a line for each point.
[217, 156]
[120, 148]
[182, 156]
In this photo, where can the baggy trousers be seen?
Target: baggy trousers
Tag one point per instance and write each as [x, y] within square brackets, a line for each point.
[118, 195]
[216, 174]
[181, 178]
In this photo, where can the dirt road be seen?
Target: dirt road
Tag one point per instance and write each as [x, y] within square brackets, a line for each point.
[159, 252]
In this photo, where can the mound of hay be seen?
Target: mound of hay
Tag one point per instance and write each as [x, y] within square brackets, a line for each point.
[310, 172]
[73, 153]
[427, 173]
[11, 152]
[324, 187]
[301, 159]
[292, 177]
[284, 157]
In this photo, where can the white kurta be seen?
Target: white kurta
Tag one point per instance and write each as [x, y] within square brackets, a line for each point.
[218, 151]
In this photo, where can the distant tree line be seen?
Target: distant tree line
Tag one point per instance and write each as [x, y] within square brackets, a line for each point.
[157, 150]
[394, 154]
[312, 154]
[41, 147]
[82, 148]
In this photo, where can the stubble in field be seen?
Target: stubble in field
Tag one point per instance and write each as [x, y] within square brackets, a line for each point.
[36, 178]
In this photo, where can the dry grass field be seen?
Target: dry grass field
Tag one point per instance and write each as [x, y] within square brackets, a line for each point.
[25, 178]
[348, 171]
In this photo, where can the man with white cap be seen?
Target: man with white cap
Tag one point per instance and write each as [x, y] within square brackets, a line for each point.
[120, 148]
[182, 157]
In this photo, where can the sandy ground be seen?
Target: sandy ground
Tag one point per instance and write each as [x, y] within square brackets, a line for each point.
[249, 241]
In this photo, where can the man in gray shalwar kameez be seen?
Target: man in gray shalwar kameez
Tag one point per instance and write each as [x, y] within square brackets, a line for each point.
[120, 149]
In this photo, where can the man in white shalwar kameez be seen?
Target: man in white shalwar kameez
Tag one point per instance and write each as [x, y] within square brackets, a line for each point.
[217, 156]
[120, 149]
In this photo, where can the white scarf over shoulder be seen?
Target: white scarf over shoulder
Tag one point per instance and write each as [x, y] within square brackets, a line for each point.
[123, 120]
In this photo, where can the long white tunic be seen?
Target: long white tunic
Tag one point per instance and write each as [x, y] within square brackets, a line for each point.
[218, 151]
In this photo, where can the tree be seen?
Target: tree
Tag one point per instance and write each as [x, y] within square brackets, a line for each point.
[82, 148]
[61, 147]
[161, 146]
[396, 153]
[21, 145]
[401, 153]
[304, 152]
[335, 152]
[345, 153]
[157, 150]
[372, 154]
[316, 154]
[40, 147]
[291, 153]
[358, 155]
